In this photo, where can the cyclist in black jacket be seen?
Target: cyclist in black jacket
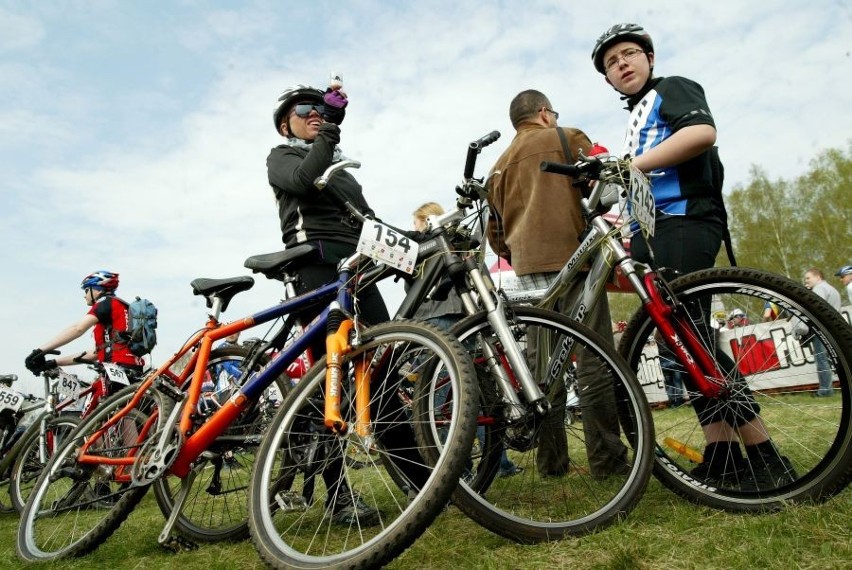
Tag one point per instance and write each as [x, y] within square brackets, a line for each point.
[309, 120]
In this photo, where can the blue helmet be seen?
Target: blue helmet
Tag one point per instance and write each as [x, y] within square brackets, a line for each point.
[103, 280]
[844, 271]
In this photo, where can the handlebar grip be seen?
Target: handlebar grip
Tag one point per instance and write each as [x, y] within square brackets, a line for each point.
[559, 168]
[486, 140]
[474, 148]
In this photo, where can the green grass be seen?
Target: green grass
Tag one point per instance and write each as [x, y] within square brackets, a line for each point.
[663, 531]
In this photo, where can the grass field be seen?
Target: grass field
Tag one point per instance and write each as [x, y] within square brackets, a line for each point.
[663, 531]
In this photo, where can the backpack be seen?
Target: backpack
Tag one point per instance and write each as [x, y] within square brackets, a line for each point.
[141, 327]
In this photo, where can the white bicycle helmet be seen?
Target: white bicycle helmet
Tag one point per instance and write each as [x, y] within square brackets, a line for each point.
[293, 95]
[620, 33]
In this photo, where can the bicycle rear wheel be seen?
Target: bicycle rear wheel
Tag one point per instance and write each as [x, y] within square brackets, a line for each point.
[28, 463]
[74, 507]
[773, 373]
[216, 507]
[309, 508]
[569, 478]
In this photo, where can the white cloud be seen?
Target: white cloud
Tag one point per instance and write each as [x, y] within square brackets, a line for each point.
[161, 175]
[18, 32]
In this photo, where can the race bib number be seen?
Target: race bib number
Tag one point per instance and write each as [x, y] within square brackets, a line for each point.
[641, 201]
[68, 386]
[116, 374]
[387, 245]
[10, 399]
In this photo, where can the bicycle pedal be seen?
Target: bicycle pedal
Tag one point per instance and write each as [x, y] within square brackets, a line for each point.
[178, 544]
[168, 389]
[74, 473]
[290, 502]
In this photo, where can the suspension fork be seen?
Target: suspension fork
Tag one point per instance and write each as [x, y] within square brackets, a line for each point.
[680, 335]
[495, 312]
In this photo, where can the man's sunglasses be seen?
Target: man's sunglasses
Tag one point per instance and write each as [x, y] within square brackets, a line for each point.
[304, 109]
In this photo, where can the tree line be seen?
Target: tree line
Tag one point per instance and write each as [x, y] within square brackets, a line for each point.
[789, 226]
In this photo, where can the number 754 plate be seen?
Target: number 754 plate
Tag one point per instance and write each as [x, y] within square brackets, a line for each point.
[387, 245]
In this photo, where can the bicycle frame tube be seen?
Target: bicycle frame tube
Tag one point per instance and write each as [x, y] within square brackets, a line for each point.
[248, 393]
[604, 252]
[259, 381]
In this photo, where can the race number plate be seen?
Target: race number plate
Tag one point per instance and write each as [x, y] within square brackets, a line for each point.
[116, 374]
[68, 386]
[388, 246]
[10, 399]
[641, 201]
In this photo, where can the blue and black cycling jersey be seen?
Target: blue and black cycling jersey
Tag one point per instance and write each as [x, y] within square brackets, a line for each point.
[666, 105]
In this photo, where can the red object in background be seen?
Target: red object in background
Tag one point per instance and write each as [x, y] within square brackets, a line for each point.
[597, 150]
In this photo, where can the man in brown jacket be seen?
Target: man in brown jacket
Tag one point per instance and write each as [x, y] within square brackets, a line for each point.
[535, 223]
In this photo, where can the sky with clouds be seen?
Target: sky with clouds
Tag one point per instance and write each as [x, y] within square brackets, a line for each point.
[134, 135]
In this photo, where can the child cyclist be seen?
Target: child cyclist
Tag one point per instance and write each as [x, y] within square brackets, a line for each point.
[671, 133]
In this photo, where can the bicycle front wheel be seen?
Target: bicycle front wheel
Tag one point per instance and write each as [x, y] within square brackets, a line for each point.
[37, 443]
[216, 507]
[312, 508]
[74, 507]
[554, 478]
[773, 372]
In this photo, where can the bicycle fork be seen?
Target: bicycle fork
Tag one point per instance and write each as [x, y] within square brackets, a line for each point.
[670, 317]
[495, 311]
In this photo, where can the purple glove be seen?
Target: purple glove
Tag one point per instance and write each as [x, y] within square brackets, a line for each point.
[335, 98]
[335, 105]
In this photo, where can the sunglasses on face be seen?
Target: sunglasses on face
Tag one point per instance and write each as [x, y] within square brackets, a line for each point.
[304, 109]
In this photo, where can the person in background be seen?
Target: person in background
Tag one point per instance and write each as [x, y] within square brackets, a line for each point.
[535, 224]
[441, 313]
[108, 316]
[815, 281]
[737, 318]
[845, 274]
[447, 312]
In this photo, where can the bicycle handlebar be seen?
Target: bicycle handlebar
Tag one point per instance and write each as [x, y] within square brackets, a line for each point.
[559, 168]
[474, 148]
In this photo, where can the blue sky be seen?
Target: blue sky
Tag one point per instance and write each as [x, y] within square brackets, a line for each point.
[133, 135]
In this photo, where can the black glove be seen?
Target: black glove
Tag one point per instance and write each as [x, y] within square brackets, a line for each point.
[35, 361]
[330, 132]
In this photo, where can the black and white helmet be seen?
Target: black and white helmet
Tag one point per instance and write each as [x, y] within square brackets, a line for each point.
[293, 95]
[620, 33]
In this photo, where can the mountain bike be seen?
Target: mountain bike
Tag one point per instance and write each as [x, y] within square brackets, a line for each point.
[13, 414]
[299, 484]
[746, 383]
[519, 388]
[67, 399]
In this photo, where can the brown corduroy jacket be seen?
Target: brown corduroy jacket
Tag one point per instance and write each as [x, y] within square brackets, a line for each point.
[535, 219]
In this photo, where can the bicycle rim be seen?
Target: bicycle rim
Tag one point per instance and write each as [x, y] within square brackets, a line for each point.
[550, 494]
[772, 374]
[73, 507]
[28, 465]
[216, 507]
[299, 515]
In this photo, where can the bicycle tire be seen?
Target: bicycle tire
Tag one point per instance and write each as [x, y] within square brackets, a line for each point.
[82, 515]
[217, 506]
[529, 507]
[290, 504]
[811, 435]
[27, 465]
